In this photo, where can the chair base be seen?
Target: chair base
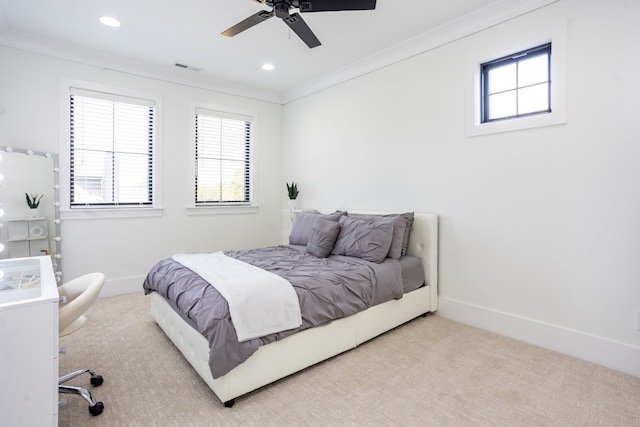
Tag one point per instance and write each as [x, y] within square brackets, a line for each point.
[95, 407]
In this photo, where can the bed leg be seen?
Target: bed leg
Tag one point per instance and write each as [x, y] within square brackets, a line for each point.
[423, 315]
[229, 403]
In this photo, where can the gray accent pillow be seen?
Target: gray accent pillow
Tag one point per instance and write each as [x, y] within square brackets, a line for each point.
[322, 238]
[368, 239]
[304, 223]
[408, 218]
[395, 250]
[402, 224]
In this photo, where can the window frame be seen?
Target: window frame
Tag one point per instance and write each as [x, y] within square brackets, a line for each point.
[514, 58]
[212, 208]
[67, 86]
[496, 46]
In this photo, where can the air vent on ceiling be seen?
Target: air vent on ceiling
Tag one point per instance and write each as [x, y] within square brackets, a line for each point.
[186, 67]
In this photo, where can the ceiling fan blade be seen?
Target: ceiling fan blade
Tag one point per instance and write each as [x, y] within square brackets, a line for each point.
[297, 24]
[259, 17]
[335, 5]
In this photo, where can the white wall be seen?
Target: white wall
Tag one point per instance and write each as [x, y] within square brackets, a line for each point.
[540, 230]
[124, 249]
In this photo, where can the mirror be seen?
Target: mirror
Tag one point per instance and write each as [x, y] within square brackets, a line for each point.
[30, 205]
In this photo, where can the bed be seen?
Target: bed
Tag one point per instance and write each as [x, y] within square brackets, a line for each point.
[288, 352]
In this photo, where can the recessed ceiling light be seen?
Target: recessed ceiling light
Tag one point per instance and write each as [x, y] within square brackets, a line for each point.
[109, 21]
[268, 67]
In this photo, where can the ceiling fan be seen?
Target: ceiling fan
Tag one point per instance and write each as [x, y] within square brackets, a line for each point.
[282, 8]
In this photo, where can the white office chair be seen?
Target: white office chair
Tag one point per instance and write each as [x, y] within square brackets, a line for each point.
[76, 297]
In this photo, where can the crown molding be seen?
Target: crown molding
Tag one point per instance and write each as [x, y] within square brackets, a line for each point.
[491, 15]
[168, 73]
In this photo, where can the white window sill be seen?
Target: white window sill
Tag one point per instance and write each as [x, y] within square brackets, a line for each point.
[520, 123]
[100, 213]
[222, 210]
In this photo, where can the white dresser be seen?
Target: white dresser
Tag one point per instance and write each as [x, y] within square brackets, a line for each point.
[28, 342]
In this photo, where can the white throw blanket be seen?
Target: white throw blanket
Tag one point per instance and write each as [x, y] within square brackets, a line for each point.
[260, 302]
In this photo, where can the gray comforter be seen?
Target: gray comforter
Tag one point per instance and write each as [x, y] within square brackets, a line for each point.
[328, 289]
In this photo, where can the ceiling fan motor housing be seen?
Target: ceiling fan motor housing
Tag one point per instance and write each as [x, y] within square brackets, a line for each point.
[281, 8]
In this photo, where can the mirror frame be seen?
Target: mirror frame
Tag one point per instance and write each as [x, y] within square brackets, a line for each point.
[57, 259]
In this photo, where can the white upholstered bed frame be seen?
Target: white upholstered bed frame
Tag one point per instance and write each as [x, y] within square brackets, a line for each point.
[296, 352]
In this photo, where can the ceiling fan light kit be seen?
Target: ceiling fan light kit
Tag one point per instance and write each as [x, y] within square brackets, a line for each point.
[282, 9]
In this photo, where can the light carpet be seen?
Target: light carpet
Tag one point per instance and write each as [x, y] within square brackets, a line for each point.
[428, 372]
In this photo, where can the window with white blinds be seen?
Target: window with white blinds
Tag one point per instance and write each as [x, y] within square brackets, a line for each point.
[222, 158]
[111, 150]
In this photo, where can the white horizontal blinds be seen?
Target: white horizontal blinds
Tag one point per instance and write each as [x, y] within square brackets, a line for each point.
[111, 150]
[223, 144]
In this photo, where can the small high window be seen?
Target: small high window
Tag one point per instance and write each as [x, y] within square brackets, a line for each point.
[517, 85]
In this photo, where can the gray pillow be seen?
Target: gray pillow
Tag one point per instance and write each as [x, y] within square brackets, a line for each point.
[323, 236]
[304, 223]
[402, 224]
[368, 239]
[395, 250]
[408, 218]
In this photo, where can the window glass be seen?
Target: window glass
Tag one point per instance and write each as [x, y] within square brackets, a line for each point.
[517, 85]
[533, 98]
[502, 78]
[534, 70]
[502, 104]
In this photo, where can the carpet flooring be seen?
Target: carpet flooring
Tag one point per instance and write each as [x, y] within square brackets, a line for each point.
[428, 372]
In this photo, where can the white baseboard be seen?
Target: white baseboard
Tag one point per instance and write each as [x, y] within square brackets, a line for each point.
[602, 351]
[125, 285]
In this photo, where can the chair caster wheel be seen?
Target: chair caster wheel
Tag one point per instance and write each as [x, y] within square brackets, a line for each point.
[96, 409]
[97, 381]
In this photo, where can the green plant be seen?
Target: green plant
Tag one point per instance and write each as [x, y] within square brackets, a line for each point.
[33, 200]
[292, 190]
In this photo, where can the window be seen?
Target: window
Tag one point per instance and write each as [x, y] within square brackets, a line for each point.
[111, 150]
[222, 158]
[518, 85]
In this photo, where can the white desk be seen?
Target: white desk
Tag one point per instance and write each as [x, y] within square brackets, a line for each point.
[28, 342]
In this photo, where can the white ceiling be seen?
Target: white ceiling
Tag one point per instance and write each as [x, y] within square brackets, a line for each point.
[163, 32]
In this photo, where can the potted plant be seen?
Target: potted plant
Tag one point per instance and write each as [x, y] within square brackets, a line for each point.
[33, 201]
[292, 193]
